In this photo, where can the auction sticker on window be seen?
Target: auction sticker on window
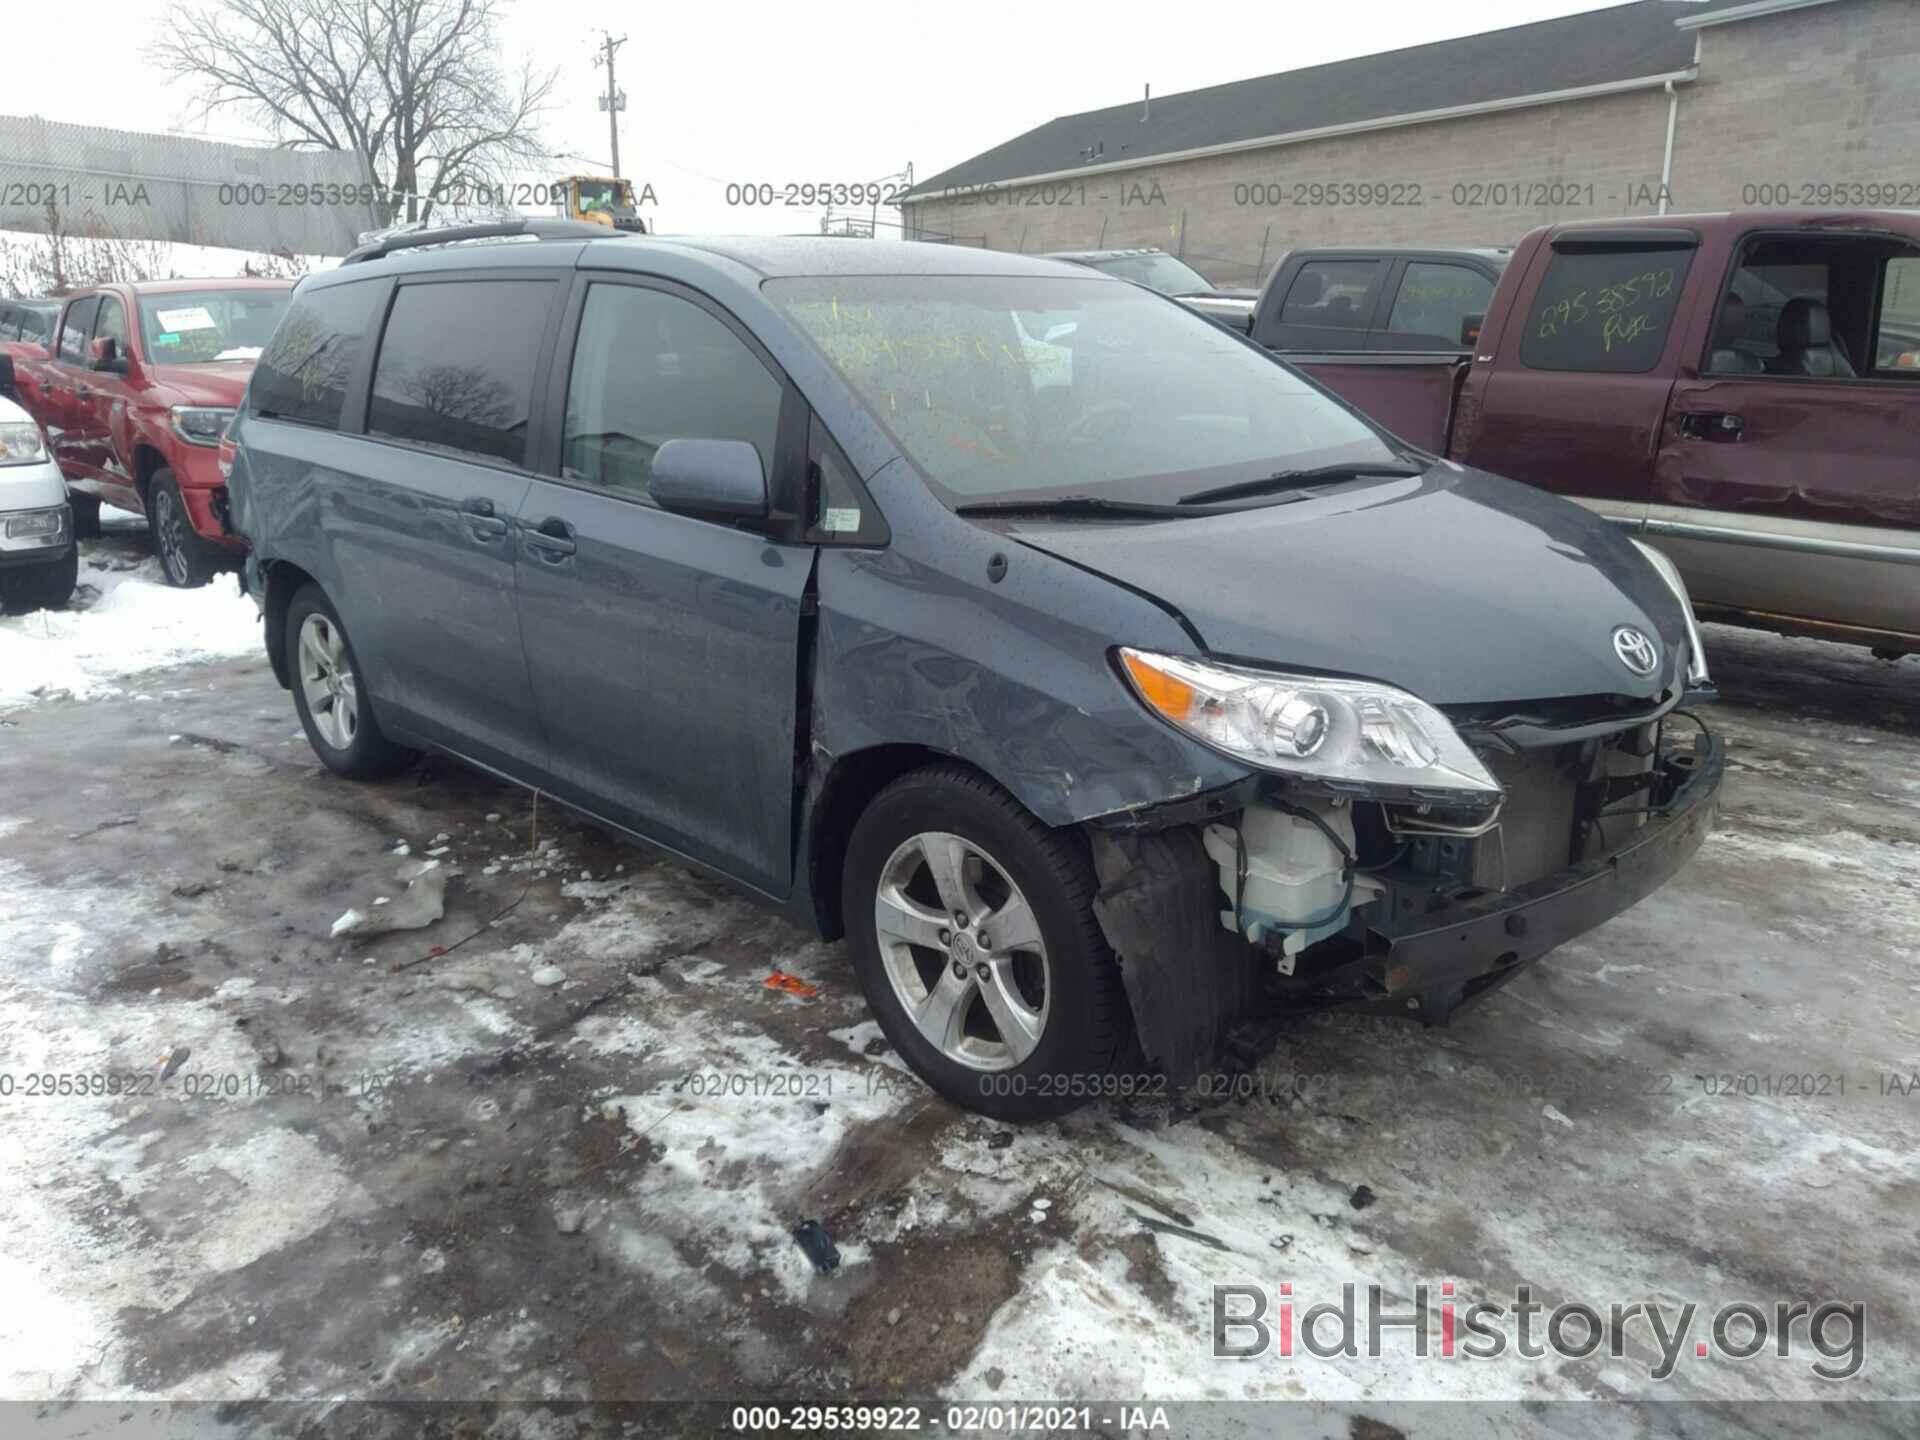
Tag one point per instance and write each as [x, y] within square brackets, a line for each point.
[195, 317]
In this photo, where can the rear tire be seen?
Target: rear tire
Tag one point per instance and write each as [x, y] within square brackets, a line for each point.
[189, 561]
[49, 587]
[335, 709]
[971, 927]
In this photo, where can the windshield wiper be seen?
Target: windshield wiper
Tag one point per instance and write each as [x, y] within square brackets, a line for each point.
[1286, 479]
[1071, 505]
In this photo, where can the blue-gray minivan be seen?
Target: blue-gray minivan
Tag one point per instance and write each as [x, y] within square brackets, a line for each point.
[1101, 678]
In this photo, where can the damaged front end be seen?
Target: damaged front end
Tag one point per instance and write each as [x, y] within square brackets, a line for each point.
[1300, 892]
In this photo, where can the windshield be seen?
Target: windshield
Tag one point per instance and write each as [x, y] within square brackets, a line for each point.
[1016, 387]
[1157, 272]
[606, 195]
[185, 327]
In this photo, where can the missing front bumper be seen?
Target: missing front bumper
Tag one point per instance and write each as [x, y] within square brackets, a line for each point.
[1464, 950]
[1189, 979]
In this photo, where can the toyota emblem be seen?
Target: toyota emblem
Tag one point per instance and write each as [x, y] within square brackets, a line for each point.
[1636, 651]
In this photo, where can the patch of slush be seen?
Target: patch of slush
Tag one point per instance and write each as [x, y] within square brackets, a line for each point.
[139, 623]
[740, 1129]
[123, 1201]
[1872, 885]
[271, 1190]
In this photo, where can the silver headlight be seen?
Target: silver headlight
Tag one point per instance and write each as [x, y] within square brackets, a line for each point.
[1354, 733]
[200, 424]
[1697, 676]
[21, 444]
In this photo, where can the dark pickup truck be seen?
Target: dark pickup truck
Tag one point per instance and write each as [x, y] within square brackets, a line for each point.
[1741, 389]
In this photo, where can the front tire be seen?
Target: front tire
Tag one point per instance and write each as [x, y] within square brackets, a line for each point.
[971, 927]
[189, 561]
[334, 707]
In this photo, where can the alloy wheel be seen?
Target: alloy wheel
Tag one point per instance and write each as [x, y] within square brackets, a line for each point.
[169, 528]
[962, 949]
[327, 682]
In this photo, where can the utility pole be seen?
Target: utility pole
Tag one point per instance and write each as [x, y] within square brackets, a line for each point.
[615, 100]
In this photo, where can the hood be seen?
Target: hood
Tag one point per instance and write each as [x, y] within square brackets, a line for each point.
[1228, 293]
[221, 383]
[1458, 586]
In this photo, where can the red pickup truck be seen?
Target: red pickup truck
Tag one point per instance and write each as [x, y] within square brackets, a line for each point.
[1741, 389]
[134, 396]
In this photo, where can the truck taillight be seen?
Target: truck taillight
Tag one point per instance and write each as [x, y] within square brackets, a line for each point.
[225, 459]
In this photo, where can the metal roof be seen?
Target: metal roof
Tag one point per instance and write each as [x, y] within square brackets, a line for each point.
[1613, 47]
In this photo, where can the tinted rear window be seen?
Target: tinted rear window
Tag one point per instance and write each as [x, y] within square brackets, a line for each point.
[1604, 310]
[456, 365]
[304, 372]
[1331, 292]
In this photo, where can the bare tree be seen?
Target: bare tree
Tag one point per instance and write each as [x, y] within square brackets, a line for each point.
[412, 86]
[279, 263]
[63, 258]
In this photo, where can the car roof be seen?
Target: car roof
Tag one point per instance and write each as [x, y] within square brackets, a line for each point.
[760, 256]
[1393, 252]
[1742, 220]
[236, 282]
[175, 287]
[1082, 257]
[796, 255]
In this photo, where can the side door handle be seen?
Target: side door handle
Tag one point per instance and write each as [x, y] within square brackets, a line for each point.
[481, 521]
[1711, 425]
[551, 539]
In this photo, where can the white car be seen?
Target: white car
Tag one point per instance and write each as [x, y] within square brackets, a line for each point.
[39, 561]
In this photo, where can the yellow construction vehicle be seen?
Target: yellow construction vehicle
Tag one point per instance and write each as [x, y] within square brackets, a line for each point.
[599, 200]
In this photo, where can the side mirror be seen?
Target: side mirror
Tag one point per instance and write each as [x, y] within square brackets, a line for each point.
[1470, 329]
[710, 479]
[104, 354]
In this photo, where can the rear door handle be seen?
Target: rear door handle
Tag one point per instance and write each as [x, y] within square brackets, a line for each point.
[1711, 425]
[481, 520]
[552, 539]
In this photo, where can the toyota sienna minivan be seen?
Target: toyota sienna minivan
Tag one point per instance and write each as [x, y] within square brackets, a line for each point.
[1096, 675]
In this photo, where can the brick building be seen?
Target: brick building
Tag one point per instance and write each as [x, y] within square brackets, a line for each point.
[1644, 108]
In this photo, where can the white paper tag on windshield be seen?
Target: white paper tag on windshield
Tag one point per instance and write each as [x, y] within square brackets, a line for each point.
[193, 318]
[841, 519]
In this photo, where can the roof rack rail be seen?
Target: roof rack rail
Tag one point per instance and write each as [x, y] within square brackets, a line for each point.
[490, 230]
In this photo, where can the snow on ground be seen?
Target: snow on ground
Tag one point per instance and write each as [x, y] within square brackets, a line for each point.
[510, 1172]
[131, 622]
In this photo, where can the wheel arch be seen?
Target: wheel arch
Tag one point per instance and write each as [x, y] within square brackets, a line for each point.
[840, 795]
[146, 460]
[283, 581]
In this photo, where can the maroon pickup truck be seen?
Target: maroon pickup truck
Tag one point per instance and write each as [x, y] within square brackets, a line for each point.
[1741, 389]
[134, 394]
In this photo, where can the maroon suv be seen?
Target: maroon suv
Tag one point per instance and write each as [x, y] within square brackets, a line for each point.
[135, 395]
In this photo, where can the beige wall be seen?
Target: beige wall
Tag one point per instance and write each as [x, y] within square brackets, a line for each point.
[1829, 95]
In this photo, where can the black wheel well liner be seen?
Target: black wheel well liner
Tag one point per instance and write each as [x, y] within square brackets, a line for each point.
[283, 581]
[146, 460]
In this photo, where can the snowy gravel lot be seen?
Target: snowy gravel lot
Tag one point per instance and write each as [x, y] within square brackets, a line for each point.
[563, 1157]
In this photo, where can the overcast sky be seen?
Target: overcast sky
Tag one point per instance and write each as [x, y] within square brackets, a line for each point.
[825, 92]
